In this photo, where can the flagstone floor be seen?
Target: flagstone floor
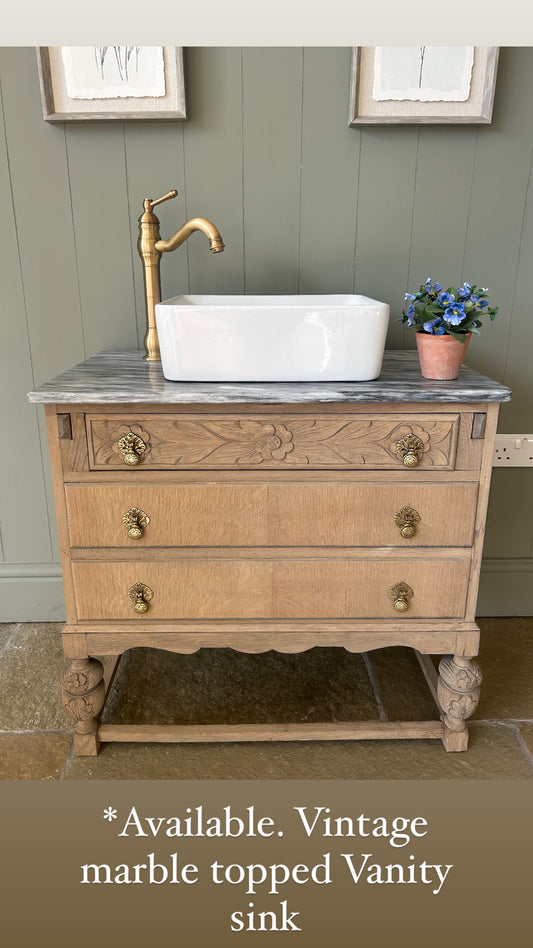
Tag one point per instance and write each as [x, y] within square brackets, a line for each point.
[220, 685]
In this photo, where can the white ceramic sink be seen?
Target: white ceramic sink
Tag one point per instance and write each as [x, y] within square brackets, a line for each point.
[271, 338]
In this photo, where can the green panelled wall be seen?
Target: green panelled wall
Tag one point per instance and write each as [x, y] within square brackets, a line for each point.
[304, 203]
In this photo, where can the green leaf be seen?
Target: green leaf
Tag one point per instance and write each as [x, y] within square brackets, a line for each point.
[468, 321]
[461, 337]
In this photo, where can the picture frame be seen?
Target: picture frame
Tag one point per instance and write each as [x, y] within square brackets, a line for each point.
[169, 102]
[475, 108]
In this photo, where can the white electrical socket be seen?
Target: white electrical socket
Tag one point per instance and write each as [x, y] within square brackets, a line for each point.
[513, 450]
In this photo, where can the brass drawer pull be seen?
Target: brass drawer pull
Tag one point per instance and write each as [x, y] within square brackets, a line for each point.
[132, 449]
[135, 520]
[410, 449]
[400, 594]
[406, 520]
[140, 595]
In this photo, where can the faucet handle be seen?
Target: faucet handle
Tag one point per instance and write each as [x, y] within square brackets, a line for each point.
[166, 197]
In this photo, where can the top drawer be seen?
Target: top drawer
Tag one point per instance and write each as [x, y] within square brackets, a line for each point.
[280, 441]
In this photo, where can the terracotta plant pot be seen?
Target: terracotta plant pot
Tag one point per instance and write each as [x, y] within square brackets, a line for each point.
[440, 357]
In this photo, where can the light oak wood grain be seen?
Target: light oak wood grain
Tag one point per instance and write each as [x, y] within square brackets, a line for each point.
[261, 555]
[316, 476]
[280, 441]
[298, 514]
[262, 408]
[481, 510]
[270, 589]
[115, 643]
[217, 733]
[155, 554]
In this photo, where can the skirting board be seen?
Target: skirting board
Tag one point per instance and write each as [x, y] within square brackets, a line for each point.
[33, 592]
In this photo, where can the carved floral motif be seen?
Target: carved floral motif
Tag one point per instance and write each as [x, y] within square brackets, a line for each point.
[275, 441]
[270, 441]
[84, 693]
[458, 690]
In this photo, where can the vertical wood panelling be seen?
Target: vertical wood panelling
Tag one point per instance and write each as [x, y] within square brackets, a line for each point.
[40, 182]
[442, 196]
[384, 218]
[304, 203]
[272, 117]
[518, 414]
[22, 493]
[330, 167]
[96, 167]
[213, 167]
[500, 182]
[154, 166]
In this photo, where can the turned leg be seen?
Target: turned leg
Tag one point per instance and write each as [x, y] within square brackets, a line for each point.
[458, 692]
[83, 699]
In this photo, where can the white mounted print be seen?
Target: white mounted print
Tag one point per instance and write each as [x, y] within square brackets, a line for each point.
[418, 85]
[423, 73]
[112, 83]
[113, 72]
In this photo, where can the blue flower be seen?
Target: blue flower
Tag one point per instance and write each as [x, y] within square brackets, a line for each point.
[455, 314]
[410, 316]
[464, 291]
[445, 298]
[435, 326]
[410, 296]
[432, 287]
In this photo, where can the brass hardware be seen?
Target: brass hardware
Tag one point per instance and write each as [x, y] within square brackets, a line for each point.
[400, 594]
[132, 449]
[140, 595]
[135, 520]
[150, 247]
[407, 519]
[410, 449]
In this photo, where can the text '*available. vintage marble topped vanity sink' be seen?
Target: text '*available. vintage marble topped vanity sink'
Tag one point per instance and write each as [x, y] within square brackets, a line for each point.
[258, 516]
[272, 338]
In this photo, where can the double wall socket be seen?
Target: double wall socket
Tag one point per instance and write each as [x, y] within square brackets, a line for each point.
[513, 450]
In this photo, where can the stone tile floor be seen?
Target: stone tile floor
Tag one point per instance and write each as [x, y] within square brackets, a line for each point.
[222, 685]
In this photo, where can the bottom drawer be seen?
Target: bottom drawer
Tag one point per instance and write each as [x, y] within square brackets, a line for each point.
[273, 589]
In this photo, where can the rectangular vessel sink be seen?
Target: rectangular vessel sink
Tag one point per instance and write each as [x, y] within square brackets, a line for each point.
[272, 338]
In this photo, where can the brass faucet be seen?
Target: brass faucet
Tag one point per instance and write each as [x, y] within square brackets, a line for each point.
[150, 247]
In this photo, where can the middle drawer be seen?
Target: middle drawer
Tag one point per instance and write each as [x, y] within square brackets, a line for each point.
[273, 514]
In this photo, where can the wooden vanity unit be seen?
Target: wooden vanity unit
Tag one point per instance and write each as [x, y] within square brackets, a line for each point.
[270, 516]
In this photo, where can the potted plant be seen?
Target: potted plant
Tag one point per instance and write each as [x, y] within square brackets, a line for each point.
[444, 321]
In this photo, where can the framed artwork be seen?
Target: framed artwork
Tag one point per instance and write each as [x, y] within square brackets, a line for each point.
[413, 85]
[95, 83]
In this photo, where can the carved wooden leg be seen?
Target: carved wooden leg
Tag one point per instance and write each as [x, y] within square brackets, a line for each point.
[83, 699]
[458, 692]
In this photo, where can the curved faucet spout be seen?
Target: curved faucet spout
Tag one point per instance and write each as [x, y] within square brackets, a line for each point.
[216, 244]
[150, 247]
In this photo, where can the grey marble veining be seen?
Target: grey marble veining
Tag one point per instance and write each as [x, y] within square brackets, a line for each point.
[122, 376]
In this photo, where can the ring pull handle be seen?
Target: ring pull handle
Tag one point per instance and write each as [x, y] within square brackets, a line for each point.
[410, 449]
[406, 520]
[400, 594]
[140, 595]
[135, 520]
[132, 448]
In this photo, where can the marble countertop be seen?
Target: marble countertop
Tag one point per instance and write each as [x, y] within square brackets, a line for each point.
[121, 375]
